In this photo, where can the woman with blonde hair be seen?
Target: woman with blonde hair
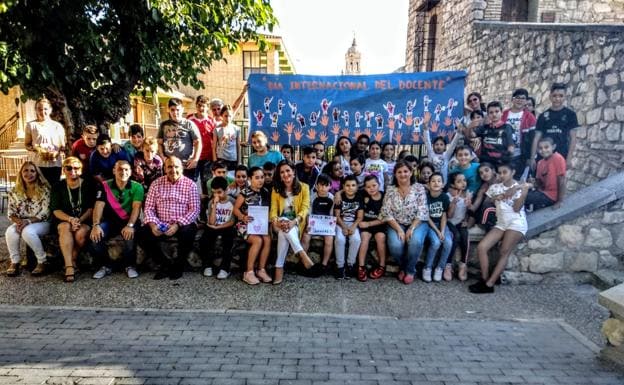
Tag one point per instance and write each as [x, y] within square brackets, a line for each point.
[29, 210]
[262, 154]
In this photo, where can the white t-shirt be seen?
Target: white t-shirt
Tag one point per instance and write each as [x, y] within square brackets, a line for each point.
[224, 211]
[514, 119]
[504, 207]
[49, 135]
[460, 210]
[376, 167]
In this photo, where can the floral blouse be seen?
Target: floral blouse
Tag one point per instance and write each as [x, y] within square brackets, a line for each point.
[23, 207]
[405, 210]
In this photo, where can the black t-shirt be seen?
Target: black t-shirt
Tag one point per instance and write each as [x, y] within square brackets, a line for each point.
[494, 143]
[437, 207]
[372, 208]
[73, 202]
[323, 205]
[349, 207]
[557, 125]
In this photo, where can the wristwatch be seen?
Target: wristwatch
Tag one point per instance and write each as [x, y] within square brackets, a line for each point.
[130, 225]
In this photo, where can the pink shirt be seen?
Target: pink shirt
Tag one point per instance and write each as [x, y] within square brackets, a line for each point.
[169, 203]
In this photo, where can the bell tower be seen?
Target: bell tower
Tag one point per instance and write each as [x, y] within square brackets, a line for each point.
[353, 60]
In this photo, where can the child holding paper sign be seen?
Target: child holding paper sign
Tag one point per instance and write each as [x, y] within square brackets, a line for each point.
[254, 195]
[322, 204]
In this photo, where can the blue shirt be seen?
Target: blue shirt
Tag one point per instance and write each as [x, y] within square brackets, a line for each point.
[99, 165]
[472, 176]
[272, 156]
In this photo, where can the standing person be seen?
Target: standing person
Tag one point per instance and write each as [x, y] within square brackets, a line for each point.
[468, 168]
[307, 172]
[333, 169]
[29, 211]
[530, 105]
[171, 208]
[135, 144]
[147, 164]
[226, 140]
[497, 143]
[216, 105]
[116, 212]
[387, 152]
[438, 153]
[474, 102]
[523, 123]
[239, 183]
[319, 147]
[288, 152]
[372, 227]
[290, 206]
[46, 138]
[511, 225]
[376, 166]
[560, 123]
[180, 137]
[344, 152]
[438, 234]
[362, 144]
[103, 159]
[84, 147]
[405, 211]
[206, 126]
[349, 212]
[262, 153]
[71, 204]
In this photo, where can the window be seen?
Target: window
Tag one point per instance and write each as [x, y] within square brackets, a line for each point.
[515, 10]
[430, 43]
[254, 62]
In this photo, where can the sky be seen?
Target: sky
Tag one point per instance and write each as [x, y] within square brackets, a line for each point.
[317, 33]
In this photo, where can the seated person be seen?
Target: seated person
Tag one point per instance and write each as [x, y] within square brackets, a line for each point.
[116, 211]
[218, 169]
[550, 183]
[171, 208]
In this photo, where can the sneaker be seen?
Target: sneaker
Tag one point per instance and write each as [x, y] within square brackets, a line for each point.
[463, 272]
[250, 278]
[208, 272]
[377, 272]
[426, 275]
[349, 272]
[131, 272]
[103, 272]
[409, 278]
[340, 273]
[437, 274]
[361, 274]
[481, 288]
[448, 272]
[223, 274]
[263, 276]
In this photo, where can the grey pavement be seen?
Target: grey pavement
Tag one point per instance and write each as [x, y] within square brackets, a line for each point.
[40, 345]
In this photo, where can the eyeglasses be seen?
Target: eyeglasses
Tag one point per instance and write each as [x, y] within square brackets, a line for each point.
[70, 168]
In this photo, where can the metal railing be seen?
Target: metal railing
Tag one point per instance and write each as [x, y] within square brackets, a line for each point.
[8, 131]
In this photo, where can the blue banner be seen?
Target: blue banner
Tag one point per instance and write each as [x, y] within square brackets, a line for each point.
[303, 109]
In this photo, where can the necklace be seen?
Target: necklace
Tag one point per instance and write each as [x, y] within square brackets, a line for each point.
[78, 203]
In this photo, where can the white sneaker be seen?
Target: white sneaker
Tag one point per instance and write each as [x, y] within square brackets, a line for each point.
[208, 272]
[103, 272]
[131, 272]
[223, 274]
[426, 275]
[437, 274]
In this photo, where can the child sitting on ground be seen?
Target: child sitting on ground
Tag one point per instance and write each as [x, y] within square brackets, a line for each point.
[372, 227]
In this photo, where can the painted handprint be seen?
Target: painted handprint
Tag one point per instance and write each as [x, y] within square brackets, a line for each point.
[397, 137]
[298, 134]
[426, 117]
[435, 126]
[345, 132]
[325, 121]
[335, 129]
[409, 120]
[356, 133]
[311, 134]
[416, 137]
[323, 137]
[368, 132]
[289, 128]
[379, 136]
[275, 136]
[448, 121]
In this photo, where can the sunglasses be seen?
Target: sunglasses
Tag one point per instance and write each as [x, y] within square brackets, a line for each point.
[70, 168]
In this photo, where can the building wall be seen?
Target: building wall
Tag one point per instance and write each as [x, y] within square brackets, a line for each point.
[8, 107]
[566, 11]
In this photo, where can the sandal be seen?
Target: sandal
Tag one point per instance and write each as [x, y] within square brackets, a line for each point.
[361, 273]
[13, 270]
[279, 276]
[69, 274]
[377, 272]
[39, 270]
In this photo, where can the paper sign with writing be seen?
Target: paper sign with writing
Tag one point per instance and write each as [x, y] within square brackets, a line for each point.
[260, 223]
[321, 225]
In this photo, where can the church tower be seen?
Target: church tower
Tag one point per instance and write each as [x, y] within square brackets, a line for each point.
[353, 60]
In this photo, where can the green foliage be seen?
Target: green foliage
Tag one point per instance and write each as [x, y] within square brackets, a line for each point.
[89, 55]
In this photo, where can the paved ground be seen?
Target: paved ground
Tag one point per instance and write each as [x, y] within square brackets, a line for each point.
[66, 346]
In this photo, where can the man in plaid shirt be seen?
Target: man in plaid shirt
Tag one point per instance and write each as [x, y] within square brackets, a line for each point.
[171, 208]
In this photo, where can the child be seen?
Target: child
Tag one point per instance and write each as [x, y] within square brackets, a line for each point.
[438, 152]
[220, 223]
[334, 171]
[523, 124]
[226, 139]
[83, 147]
[357, 165]
[254, 195]
[375, 165]
[240, 181]
[322, 204]
[218, 169]
[287, 152]
[412, 162]
[511, 225]
[372, 227]
[457, 223]
[307, 172]
[388, 157]
[147, 163]
[319, 148]
[483, 207]
[425, 170]
[468, 168]
[438, 233]
[550, 174]
[349, 210]
[268, 169]
[135, 144]
[497, 144]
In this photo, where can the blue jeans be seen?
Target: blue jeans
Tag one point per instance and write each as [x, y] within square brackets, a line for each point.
[434, 247]
[407, 253]
[100, 249]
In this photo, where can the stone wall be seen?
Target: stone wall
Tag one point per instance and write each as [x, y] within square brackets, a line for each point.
[590, 59]
[587, 244]
[565, 11]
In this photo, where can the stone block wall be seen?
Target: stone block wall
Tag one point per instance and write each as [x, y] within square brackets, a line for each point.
[590, 59]
[587, 244]
[565, 11]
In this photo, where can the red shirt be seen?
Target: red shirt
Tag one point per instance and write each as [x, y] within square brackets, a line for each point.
[547, 172]
[205, 126]
[82, 152]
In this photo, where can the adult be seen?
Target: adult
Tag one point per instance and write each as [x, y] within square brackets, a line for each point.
[226, 140]
[474, 102]
[558, 122]
[206, 125]
[116, 212]
[262, 153]
[29, 209]
[84, 147]
[103, 159]
[171, 208]
[71, 204]
[180, 137]
[290, 205]
[46, 138]
[405, 211]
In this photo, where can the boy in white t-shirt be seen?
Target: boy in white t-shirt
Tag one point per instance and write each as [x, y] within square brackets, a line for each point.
[220, 222]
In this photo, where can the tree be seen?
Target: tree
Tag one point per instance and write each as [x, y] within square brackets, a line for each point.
[87, 56]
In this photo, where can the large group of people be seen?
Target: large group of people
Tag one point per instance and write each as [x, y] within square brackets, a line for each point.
[164, 189]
